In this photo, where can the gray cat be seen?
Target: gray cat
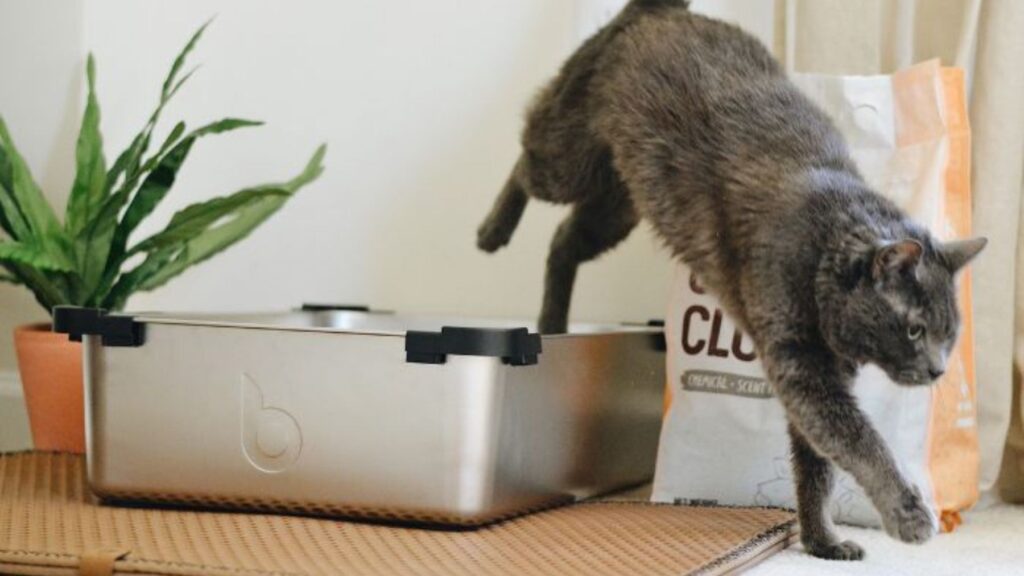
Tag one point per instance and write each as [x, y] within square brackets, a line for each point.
[691, 124]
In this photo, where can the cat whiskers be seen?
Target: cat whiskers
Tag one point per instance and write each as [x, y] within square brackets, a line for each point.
[910, 377]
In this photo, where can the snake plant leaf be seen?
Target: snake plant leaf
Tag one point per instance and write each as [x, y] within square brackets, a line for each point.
[170, 85]
[98, 236]
[171, 139]
[129, 282]
[125, 175]
[19, 253]
[197, 218]
[164, 173]
[314, 168]
[105, 231]
[80, 262]
[162, 170]
[215, 240]
[8, 279]
[12, 220]
[47, 288]
[88, 215]
[120, 165]
[116, 201]
[39, 217]
[163, 265]
[128, 165]
[41, 251]
[134, 168]
[89, 188]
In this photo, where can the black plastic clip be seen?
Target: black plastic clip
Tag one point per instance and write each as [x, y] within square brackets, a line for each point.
[116, 331]
[515, 347]
[657, 338]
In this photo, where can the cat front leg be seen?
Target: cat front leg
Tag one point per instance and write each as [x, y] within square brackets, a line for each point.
[814, 477]
[815, 393]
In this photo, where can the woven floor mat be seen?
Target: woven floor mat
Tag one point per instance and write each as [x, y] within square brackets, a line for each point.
[49, 525]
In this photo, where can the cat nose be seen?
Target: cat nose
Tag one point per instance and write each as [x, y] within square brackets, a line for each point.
[936, 373]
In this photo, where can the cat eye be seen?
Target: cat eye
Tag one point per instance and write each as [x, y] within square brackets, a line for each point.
[915, 332]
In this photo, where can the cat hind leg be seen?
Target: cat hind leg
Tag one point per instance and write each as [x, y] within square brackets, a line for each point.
[595, 225]
[497, 229]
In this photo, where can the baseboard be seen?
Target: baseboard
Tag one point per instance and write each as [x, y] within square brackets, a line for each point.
[14, 429]
[10, 384]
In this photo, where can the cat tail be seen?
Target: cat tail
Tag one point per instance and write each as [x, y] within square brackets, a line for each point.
[497, 229]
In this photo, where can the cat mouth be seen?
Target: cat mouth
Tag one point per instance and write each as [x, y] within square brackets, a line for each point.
[911, 378]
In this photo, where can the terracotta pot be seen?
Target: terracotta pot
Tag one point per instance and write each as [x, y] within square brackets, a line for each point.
[51, 375]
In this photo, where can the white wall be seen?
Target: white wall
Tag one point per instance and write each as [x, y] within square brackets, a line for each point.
[40, 83]
[420, 102]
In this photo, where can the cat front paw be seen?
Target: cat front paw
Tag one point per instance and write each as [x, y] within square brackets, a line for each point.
[844, 551]
[909, 520]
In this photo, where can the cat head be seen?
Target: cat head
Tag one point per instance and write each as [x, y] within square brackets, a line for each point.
[902, 314]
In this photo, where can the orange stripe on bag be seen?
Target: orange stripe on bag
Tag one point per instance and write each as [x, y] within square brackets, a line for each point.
[954, 459]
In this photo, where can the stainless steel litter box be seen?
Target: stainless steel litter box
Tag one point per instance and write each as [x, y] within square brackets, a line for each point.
[339, 412]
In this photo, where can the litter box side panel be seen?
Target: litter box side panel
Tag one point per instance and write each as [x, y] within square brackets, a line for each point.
[601, 395]
[326, 423]
[459, 427]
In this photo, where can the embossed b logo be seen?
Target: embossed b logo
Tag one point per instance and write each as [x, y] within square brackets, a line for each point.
[271, 437]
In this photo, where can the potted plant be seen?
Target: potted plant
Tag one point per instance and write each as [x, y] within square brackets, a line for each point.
[90, 258]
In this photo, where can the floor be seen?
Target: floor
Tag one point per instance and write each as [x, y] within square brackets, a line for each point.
[990, 543]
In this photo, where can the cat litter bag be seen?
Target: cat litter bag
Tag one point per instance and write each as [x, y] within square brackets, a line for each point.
[724, 438]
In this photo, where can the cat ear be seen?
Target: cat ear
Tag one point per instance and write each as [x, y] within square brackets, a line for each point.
[897, 257]
[960, 254]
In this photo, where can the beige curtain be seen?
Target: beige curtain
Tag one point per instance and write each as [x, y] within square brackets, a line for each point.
[986, 38]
